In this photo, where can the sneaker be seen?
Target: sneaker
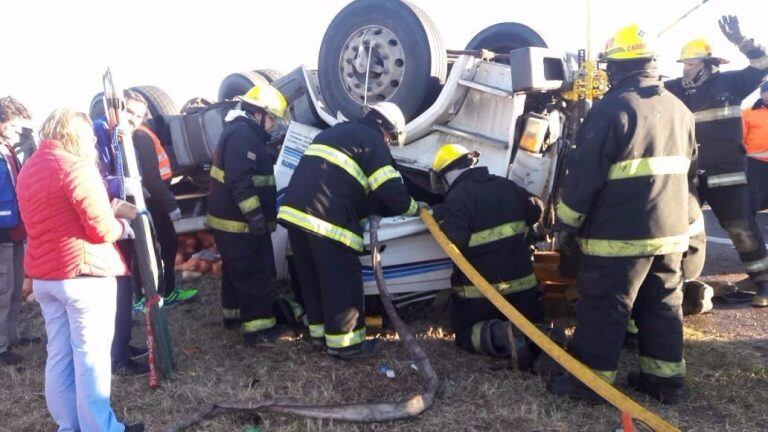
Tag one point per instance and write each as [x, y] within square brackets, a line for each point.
[668, 395]
[137, 352]
[566, 385]
[135, 427]
[140, 304]
[269, 335]
[179, 295]
[367, 349]
[10, 358]
[130, 368]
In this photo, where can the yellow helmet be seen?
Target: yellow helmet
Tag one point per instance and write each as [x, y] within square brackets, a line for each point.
[699, 49]
[448, 154]
[266, 97]
[629, 43]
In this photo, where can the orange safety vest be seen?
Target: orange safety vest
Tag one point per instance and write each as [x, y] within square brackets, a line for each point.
[755, 121]
[163, 162]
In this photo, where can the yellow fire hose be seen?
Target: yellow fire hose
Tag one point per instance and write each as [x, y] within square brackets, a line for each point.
[575, 367]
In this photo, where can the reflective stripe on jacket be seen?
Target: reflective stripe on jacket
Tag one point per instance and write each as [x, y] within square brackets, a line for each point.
[626, 191]
[344, 176]
[487, 217]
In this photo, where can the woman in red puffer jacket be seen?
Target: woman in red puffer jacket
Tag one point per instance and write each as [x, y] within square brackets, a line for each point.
[72, 260]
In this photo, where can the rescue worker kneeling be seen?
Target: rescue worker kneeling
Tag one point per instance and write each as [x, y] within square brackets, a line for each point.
[242, 211]
[343, 177]
[487, 217]
[626, 197]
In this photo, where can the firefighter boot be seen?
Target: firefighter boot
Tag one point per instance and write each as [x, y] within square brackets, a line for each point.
[668, 391]
[567, 385]
[501, 339]
[697, 297]
[369, 348]
[760, 300]
[268, 336]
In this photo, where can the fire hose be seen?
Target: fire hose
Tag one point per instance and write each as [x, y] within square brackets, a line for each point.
[572, 365]
[370, 412]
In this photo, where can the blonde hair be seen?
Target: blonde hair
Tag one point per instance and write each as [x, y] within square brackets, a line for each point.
[65, 126]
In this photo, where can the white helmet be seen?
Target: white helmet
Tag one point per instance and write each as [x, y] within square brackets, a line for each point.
[390, 117]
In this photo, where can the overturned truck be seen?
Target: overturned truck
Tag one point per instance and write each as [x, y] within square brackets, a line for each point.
[505, 95]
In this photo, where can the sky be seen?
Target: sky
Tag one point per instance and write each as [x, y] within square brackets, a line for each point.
[55, 52]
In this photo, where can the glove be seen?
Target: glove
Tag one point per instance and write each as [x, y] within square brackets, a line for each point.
[175, 215]
[729, 25]
[257, 226]
[127, 230]
[567, 242]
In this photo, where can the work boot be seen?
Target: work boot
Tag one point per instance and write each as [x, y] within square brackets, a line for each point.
[268, 336]
[130, 368]
[566, 385]
[10, 358]
[760, 300]
[287, 312]
[509, 342]
[697, 297]
[663, 390]
[232, 323]
[318, 342]
[369, 348]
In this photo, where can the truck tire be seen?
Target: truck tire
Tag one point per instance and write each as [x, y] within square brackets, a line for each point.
[270, 75]
[238, 84]
[407, 65]
[504, 37]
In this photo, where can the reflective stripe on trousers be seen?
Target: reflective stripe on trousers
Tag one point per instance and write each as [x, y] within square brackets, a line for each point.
[259, 324]
[345, 340]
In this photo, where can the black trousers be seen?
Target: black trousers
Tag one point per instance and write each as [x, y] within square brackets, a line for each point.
[757, 184]
[248, 284]
[167, 239]
[730, 204]
[331, 281]
[124, 311]
[468, 314]
[609, 289]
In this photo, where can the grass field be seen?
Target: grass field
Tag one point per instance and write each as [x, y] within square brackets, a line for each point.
[727, 382]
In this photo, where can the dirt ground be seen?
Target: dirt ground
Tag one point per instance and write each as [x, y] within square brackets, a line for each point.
[727, 381]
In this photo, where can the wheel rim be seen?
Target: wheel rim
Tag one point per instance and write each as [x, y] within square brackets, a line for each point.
[381, 73]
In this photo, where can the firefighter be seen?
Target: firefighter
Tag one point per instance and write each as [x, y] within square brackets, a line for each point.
[344, 176]
[487, 217]
[715, 99]
[626, 199]
[242, 210]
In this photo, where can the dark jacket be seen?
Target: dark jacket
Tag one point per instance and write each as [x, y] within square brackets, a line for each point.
[242, 178]
[626, 191]
[716, 105]
[486, 217]
[8, 156]
[344, 176]
[157, 189]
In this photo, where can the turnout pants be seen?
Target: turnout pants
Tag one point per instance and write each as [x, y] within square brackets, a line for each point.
[609, 287]
[248, 285]
[757, 184]
[331, 283]
[481, 328]
[730, 204]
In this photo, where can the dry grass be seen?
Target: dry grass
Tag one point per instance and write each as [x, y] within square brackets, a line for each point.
[728, 382]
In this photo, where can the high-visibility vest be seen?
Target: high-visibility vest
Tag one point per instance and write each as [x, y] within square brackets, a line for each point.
[755, 121]
[163, 162]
